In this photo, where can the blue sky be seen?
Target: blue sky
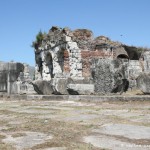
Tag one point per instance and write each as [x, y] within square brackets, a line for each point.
[21, 20]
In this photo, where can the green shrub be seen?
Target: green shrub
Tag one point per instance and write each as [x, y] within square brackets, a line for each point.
[38, 41]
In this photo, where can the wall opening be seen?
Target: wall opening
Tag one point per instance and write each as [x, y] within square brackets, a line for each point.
[123, 56]
[49, 63]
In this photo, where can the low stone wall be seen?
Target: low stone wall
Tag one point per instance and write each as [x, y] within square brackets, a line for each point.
[86, 98]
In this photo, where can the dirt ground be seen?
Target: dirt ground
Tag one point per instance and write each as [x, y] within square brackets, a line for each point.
[74, 125]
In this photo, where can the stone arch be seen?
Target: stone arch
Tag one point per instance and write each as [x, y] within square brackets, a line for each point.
[119, 52]
[123, 56]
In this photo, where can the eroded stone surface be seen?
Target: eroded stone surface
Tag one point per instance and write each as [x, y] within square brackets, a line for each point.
[106, 142]
[129, 131]
[29, 140]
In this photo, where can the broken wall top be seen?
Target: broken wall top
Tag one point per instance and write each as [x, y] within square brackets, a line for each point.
[11, 66]
[83, 37]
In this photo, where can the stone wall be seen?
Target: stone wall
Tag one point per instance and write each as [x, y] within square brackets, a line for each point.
[9, 73]
[58, 56]
[14, 78]
[145, 58]
[64, 54]
[119, 52]
[107, 72]
[134, 70]
[102, 75]
[98, 53]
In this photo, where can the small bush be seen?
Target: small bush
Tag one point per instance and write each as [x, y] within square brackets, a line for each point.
[39, 39]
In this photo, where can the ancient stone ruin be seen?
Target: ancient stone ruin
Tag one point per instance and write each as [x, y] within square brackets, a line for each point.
[14, 78]
[74, 62]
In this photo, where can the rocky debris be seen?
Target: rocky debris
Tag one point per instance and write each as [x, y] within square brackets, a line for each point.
[84, 38]
[121, 86]
[103, 40]
[143, 83]
[42, 87]
[63, 86]
[60, 85]
[80, 89]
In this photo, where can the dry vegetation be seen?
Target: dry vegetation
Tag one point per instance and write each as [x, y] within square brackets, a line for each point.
[67, 122]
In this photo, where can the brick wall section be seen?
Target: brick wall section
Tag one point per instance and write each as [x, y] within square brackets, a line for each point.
[87, 56]
[66, 62]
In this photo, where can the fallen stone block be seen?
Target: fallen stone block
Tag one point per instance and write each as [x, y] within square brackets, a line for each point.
[81, 89]
[42, 87]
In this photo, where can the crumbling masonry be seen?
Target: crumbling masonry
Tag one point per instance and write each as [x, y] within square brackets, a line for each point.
[74, 62]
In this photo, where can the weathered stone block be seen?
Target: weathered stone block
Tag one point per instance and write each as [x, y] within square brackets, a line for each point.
[66, 38]
[60, 85]
[42, 87]
[134, 69]
[81, 89]
[143, 83]
[72, 45]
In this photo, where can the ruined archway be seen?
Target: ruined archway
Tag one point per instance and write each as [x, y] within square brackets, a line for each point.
[123, 56]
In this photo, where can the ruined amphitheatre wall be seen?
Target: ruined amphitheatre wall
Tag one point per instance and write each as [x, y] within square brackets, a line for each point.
[64, 54]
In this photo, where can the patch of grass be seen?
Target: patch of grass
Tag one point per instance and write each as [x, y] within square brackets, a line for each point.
[18, 135]
[65, 134]
[2, 136]
[3, 122]
[4, 146]
[6, 112]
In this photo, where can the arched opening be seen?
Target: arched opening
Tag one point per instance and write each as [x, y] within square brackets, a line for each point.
[123, 56]
[49, 63]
